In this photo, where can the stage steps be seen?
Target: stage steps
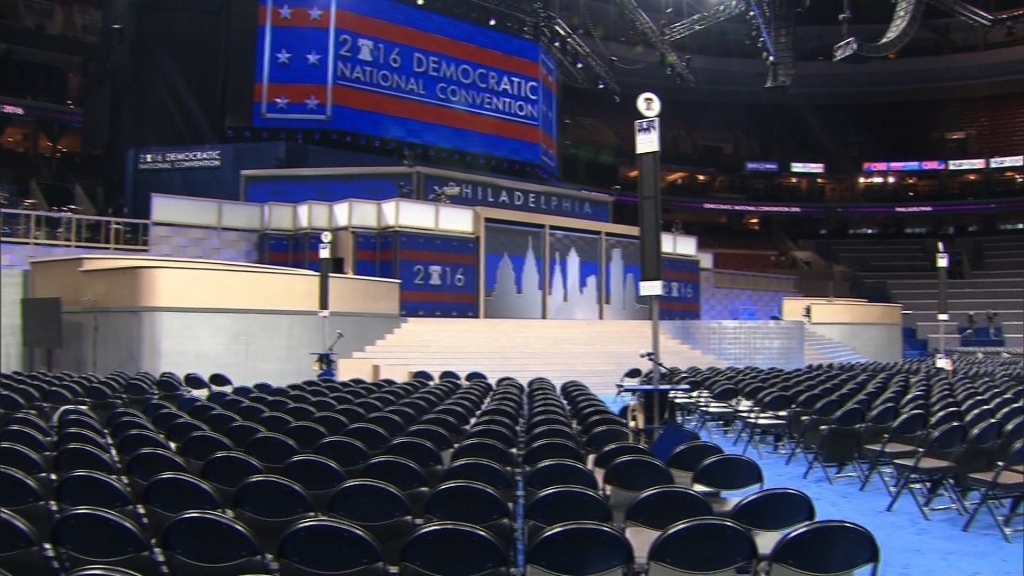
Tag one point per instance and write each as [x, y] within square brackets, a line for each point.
[819, 349]
[595, 352]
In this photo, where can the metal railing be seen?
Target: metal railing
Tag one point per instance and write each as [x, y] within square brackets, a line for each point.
[73, 230]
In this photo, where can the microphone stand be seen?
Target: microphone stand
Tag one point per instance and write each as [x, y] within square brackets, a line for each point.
[325, 360]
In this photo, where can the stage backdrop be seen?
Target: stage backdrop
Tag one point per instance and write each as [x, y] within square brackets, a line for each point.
[513, 272]
[392, 70]
[622, 280]
[574, 288]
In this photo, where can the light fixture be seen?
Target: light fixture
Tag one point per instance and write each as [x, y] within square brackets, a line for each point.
[492, 21]
[419, 2]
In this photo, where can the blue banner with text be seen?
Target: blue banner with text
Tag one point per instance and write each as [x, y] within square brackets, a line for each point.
[387, 69]
[550, 201]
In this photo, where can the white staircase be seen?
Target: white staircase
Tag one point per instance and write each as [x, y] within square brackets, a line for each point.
[820, 349]
[595, 352]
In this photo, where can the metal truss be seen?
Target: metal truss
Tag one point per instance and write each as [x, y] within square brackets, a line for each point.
[965, 12]
[562, 42]
[653, 35]
[698, 22]
[905, 22]
[559, 32]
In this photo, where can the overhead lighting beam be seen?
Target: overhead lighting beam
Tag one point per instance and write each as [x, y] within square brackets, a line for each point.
[698, 22]
[653, 35]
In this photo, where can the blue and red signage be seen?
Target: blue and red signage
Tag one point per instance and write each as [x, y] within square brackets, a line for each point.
[395, 71]
[681, 298]
[439, 274]
[366, 254]
[276, 249]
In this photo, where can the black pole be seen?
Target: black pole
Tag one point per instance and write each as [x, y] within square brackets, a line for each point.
[325, 278]
[648, 160]
[942, 267]
[324, 252]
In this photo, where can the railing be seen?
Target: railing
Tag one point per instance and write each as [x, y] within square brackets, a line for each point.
[73, 230]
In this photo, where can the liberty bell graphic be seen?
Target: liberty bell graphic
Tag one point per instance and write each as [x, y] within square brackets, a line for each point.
[365, 50]
[435, 275]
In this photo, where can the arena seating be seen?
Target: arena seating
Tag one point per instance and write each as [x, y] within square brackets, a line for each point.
[143, 474]
[992, 282]
[923, 432]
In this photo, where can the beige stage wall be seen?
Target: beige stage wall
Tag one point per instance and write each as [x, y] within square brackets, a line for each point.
[251, 322]
[133, 282]
[875, 331]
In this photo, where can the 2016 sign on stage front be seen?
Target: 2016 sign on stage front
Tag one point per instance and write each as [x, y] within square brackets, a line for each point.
[681, 299]
[439, 274]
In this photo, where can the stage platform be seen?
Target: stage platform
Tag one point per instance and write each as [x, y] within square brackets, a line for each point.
[138, 313]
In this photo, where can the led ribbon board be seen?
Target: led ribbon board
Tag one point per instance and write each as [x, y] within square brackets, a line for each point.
[403, 73]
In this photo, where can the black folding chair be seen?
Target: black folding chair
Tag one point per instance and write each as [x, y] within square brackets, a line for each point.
[579, 549]
[211, 544]
[825, 548]
[327, 547]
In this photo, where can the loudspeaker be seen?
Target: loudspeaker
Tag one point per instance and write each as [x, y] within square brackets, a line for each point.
[42, 323]
[649, 182]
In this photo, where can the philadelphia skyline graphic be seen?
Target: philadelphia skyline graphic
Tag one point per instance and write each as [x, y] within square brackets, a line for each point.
[570, 296]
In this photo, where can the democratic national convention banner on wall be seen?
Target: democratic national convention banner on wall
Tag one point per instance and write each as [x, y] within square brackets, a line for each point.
[439, 274]
[505, 195]
[396, 71]
[513, 271]
[681, 297]
[574, 268]
[622, 280]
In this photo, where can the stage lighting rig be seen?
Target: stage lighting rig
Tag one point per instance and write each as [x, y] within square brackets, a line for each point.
[565, 44]
[905, 21]
[576, 60]
[653, 35]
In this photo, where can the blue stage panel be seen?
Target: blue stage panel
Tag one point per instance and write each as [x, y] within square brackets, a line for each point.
[367, 254]
[439, 274]
[681, 299]
[275, 249]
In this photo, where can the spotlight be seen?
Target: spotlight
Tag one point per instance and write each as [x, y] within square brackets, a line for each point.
[492, 21]
[419, 2]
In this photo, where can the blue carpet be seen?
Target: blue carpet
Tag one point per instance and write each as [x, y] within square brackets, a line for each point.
[911, 545]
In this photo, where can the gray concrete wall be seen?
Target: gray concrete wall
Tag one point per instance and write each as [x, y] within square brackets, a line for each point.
[880, 342]
[248, 347]
[768, 343]
[12, 289]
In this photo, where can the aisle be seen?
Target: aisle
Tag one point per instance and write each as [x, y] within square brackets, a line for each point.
[911, 545]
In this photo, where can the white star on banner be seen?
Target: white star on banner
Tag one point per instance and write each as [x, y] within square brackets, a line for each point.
[282, 102]
[285, 12]
[315, 13]
[313, 58]
[312, 102]
[283, 57]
